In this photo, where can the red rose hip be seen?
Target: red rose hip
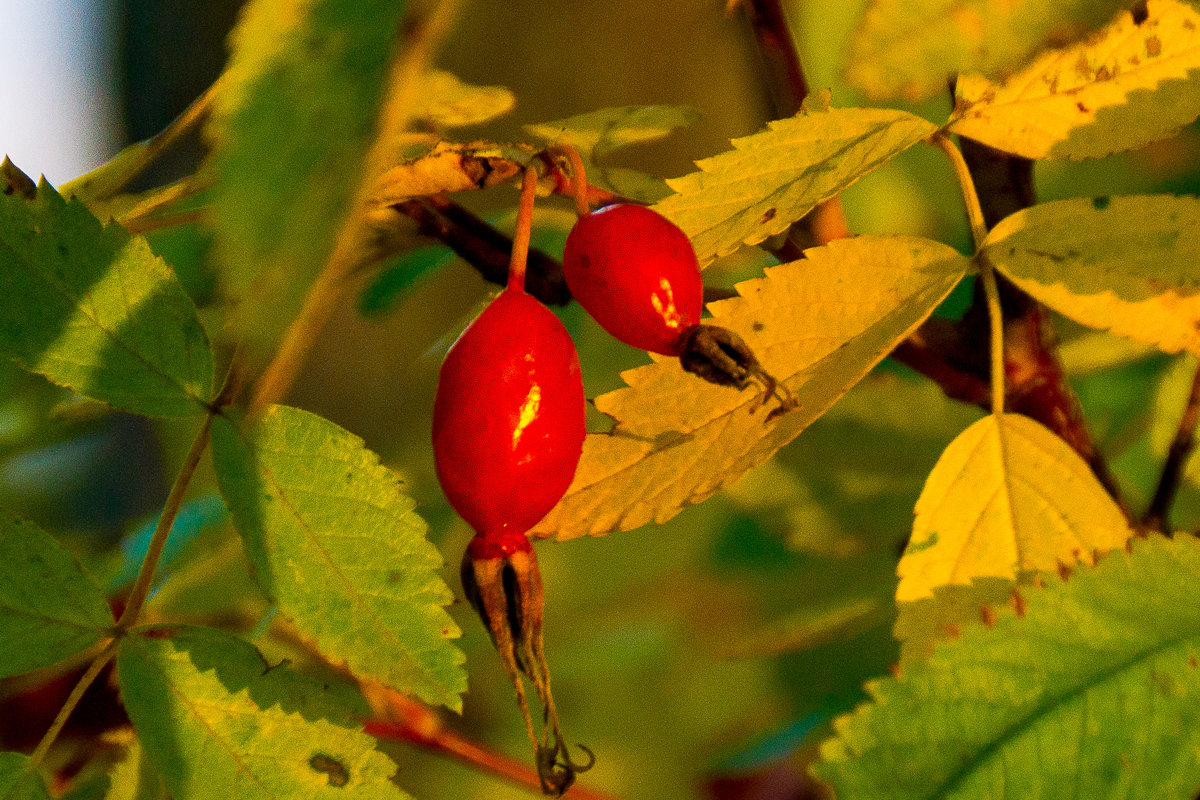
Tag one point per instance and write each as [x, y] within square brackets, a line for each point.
[636, 273]
[508, 419]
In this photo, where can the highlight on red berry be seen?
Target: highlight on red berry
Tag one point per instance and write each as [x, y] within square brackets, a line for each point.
[636, 273]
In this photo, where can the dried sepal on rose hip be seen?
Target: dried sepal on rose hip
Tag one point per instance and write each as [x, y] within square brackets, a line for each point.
[508, 430]
[637, 274]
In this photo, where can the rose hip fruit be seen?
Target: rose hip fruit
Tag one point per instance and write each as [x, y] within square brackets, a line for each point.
[636, 273]
[508, 419]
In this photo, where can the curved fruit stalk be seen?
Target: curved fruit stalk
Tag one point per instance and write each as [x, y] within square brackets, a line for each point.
[637, 274]
[508, 430]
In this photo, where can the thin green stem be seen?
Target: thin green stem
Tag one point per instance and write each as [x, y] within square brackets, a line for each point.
[996, 320]
[85, 681]
[978, 234]
[967, 184]
[141, 586]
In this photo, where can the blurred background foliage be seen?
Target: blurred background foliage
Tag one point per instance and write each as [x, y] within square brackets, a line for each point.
[701, 658]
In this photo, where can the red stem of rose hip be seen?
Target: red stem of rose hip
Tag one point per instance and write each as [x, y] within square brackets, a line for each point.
[578, 176]
[523, 231]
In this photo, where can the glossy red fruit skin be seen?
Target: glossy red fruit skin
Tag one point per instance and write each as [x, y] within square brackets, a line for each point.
[636, 273]
[508, 418]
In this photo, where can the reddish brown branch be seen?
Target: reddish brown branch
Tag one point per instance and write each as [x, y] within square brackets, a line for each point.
[409, 721]
[484, 247]
[1157, 515]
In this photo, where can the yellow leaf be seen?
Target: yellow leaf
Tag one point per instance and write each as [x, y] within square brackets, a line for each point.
[1007, 496]
[819, 324]
[1125, 264]
[1132, 84]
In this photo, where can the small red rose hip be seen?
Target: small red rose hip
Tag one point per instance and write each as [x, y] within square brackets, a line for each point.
[636, 273]
[508, 419]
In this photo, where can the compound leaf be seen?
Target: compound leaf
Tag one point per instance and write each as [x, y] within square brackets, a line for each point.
[910, 48]
[1007, 496]
[18, 784]
[49, 606]
[291, 129]
[598, 133]
[1134, 83]
[218, 722]
[93, 309]
[773, 178]
[338, 546]
[1094, 692]
[1125, 264]
[818, 324]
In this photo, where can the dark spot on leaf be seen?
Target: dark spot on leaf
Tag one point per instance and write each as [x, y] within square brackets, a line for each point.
[951, 630]
[1192, 662]
[335, 770]
[987, 616]
[1082, 108]
[1082, 67]
[1188, 25]
[1153, 46]
[767, 216]
[1140, 12]
[1103, 74]
[1064, 571]
[394, 576]
[445, 632]
[917, 547]
[1134, 60]
[1018, 604]
[1101, 203]
[757, 326]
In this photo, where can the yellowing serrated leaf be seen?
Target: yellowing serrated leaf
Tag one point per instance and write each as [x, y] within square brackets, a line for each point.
[1006, 496]
[910, 48]
[1132, 84]
[774, 177]
[446, 102]
[1125, 264]
[818, 324]
[597, 133]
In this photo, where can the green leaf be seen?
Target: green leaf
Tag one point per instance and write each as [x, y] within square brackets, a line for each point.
[49, 606]
[1124, 264]
[447, 102]
[1094, 692]
[818, 324]
[598, 133]
[91, 308]
[385, 291]
[16, 783]
[774, 177]
[1007, 496]
[338, 546]
[910, 48]
[291, 129]
[218, 722]
[1132, 84]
